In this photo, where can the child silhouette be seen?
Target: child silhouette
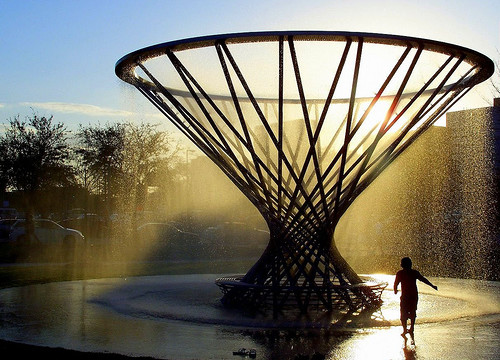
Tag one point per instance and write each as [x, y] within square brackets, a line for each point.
[409, 294]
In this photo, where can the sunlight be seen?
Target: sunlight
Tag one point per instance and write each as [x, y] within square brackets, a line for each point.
[375, 117]
[390, 307]
[381, 344]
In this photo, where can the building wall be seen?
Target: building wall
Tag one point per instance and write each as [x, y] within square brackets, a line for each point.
[436, 203]
[475, 135]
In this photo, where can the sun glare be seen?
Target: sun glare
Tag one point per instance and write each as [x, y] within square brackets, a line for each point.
[380, 344]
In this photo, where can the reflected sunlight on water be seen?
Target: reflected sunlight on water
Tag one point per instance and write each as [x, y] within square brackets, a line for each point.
[456, 298]
[374, 345]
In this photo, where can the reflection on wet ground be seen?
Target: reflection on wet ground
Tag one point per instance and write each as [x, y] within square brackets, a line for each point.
[179, 317]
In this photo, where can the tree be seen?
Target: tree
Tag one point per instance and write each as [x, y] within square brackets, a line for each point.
[147, 152]
[3, 168]
[121, 161]
[35, 156]
[100, 151]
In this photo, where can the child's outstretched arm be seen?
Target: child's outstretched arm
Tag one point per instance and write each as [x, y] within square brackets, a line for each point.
[426, 281]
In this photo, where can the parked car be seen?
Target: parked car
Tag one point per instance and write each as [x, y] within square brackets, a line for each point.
[46, 232]
[168, 241]
[8, 213]
[5, 227]
[90, 225]
[167, 232]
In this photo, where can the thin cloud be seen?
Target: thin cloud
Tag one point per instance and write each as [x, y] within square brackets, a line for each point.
[83, 109]
[87, 110]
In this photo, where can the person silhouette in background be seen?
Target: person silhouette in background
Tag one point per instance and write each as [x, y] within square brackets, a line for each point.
[409, 295]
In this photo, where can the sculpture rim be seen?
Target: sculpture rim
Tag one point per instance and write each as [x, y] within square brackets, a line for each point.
[125, 66]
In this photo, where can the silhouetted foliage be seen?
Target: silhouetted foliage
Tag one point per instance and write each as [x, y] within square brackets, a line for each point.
[120, 161]
[147, 152]
[118, 168]
[100, 151]
[3, 167]
[35, 154]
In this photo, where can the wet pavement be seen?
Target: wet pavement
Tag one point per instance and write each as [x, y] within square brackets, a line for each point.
[179, 317]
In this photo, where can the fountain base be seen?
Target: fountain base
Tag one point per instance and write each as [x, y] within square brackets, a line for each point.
[343, 299]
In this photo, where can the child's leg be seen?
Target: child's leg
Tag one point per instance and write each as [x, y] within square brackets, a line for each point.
[412, 328]
[403, 323]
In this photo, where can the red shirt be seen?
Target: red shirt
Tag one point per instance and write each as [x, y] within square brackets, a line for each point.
[408, 279]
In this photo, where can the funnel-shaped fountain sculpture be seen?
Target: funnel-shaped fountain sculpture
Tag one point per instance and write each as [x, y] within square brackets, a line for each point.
[302, 122]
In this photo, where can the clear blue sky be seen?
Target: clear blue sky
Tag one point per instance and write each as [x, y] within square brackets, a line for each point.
[57, 56]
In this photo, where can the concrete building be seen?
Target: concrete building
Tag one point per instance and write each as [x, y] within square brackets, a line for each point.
[438, 203]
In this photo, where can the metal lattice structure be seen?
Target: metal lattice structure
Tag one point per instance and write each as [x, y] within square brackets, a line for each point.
[302, 122]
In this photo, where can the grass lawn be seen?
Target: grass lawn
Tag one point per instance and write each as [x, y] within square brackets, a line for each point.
[34, 273]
